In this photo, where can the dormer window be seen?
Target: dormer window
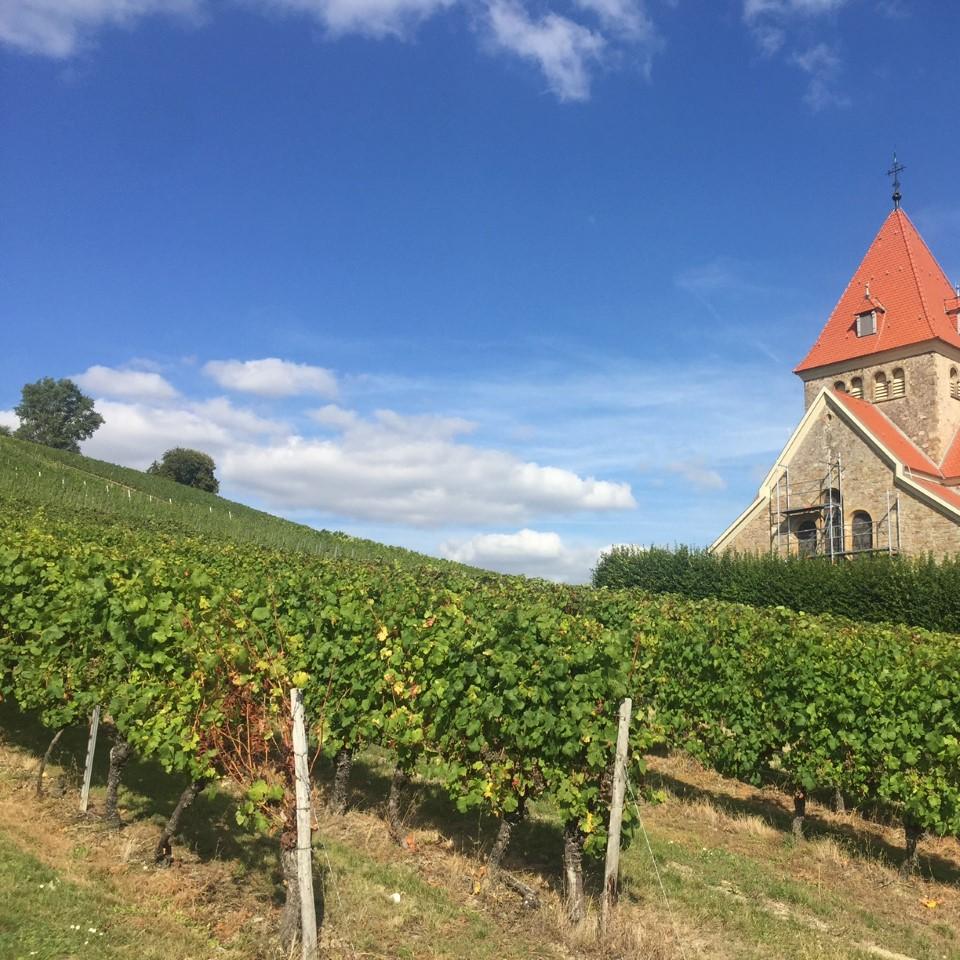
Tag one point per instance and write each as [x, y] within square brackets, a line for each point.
[866, 323]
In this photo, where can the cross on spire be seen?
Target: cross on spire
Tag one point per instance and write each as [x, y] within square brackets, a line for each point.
[895, 172]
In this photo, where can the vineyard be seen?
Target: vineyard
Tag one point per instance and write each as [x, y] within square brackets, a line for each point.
[502, 692]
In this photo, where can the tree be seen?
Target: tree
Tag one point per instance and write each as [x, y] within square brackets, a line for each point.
[56, 414]
[192, 468]
[4, 430]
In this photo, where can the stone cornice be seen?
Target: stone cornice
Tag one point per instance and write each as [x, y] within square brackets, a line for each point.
[882, 358]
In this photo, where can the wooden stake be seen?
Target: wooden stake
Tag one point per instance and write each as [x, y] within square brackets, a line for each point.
[91, 747]
[612, 868]
[308, 910]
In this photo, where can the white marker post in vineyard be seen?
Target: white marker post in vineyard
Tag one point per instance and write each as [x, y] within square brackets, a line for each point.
[91, 748]
[611, 871]
[308, 910]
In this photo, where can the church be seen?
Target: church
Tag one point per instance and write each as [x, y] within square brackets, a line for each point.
[874, 465]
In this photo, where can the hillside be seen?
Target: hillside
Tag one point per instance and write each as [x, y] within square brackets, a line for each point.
[41, 476]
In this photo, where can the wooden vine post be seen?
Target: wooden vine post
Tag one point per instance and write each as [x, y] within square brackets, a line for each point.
[88, 770]
[611, 871]
[308, 910]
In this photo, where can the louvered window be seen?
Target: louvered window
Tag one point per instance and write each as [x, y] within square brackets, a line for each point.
[881, 389]
[897, 385]
[840, 387]
[856, 387]
[954, 384]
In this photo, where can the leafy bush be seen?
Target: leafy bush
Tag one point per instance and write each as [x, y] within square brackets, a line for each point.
[877, 588]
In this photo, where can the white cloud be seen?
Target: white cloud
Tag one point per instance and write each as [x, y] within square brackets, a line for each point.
[58, 28]
[770, 22]
[333, 416]
[699, 476]
[531, 552]
[414, 471]
[136, 434]
[129, 384]
[823, 66]
[9, 419]
[272, 377]
[403, 470]
[564, 49]
[222, 412]
[561, 48]
[625, 17]
[374, 18]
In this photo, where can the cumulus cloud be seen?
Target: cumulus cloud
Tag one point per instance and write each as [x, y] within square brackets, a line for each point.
[58, 28]
[562, 48]
[415, 471]
[532, 552]
[129, 384]
[9, 419]
[272, 377]
[333, 416]
[136, 434]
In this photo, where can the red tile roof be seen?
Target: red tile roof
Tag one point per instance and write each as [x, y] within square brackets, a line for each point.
[950, 494]
[890, 435]
[900, 272]
[950, 467]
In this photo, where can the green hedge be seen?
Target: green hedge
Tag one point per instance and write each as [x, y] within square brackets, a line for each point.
[879, 588]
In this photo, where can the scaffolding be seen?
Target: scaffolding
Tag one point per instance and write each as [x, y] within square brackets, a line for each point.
[807, 518]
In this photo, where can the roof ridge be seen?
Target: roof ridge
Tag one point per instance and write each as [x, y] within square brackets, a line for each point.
[901, 216]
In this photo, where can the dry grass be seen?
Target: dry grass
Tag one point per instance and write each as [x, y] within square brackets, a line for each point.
[726, 881]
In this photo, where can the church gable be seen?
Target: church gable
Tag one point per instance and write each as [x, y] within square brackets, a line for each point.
[847, 482]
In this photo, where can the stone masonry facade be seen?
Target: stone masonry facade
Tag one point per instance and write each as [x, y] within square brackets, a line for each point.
[869, 484]
[926, 413]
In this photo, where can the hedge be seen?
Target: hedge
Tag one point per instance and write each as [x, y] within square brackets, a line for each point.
[879, 588]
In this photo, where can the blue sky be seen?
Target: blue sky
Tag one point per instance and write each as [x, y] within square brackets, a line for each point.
[502, 280]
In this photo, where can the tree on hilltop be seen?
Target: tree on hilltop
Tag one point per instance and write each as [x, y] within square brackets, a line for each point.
[192, 468]
[57, 414]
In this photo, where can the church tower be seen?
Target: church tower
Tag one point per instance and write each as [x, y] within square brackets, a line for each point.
[893, 339]
[874, 465]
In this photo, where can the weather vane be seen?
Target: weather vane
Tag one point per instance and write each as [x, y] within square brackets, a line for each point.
[895, 172]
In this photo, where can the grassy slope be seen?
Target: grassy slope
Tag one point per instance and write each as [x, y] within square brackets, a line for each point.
[42, 476]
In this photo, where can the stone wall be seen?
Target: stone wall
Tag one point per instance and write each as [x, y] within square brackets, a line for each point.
[868, 485]
[925, 413]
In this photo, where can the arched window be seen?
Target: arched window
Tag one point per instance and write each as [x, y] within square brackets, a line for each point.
[832, 521]
[856, 387]
[840, 387]
[807, 538]
[862, 530]
[881, 389]
[954, 384]
[897, 385]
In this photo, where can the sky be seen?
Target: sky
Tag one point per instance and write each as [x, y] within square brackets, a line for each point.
[504, 281]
